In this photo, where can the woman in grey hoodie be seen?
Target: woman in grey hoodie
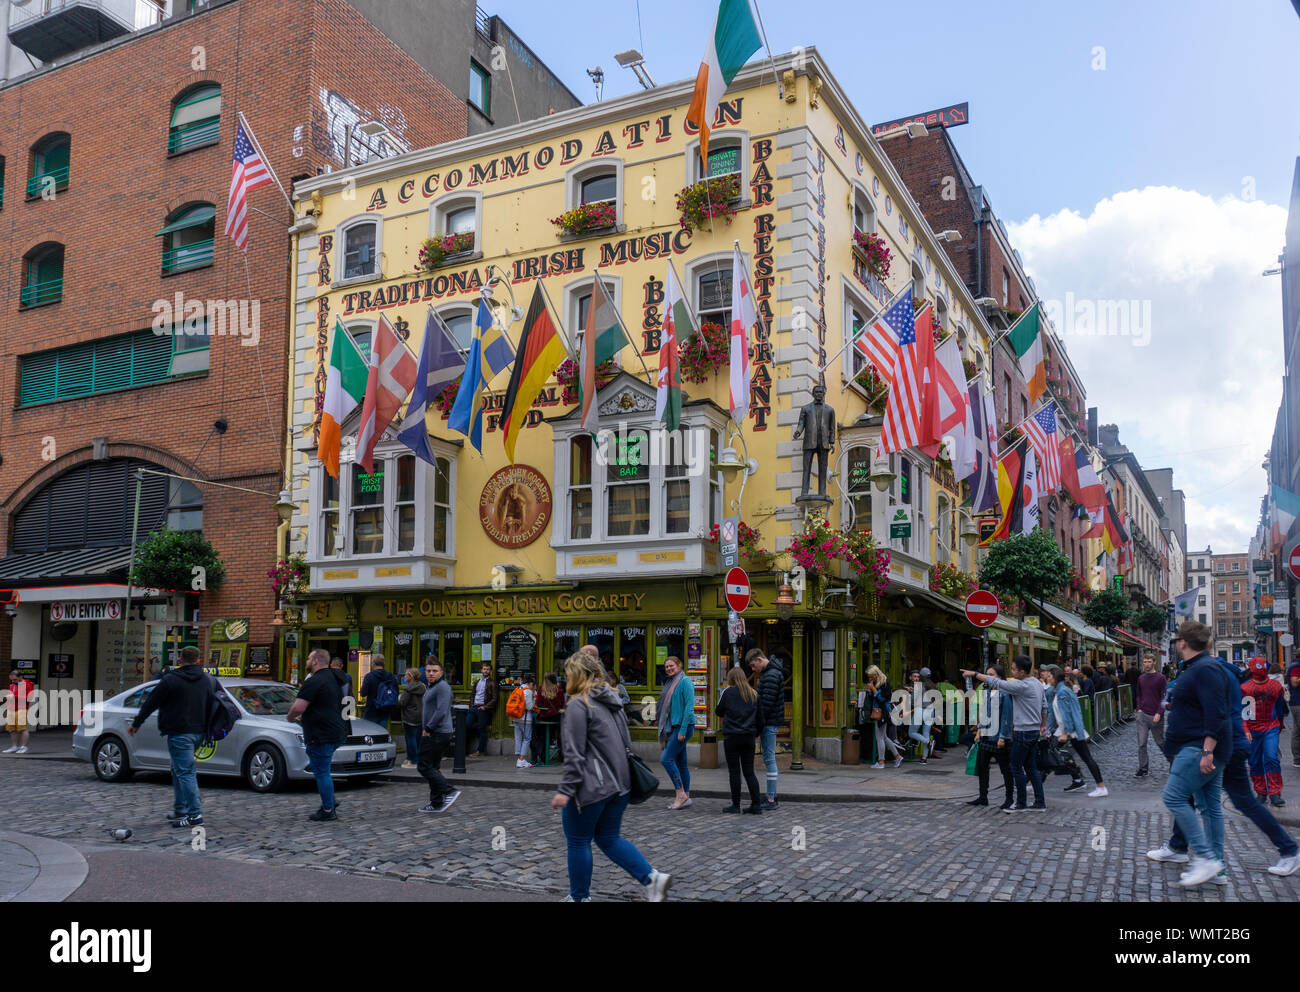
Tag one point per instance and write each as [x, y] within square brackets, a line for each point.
[594, 788]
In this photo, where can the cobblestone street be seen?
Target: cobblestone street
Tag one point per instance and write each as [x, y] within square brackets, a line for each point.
[1080, 850]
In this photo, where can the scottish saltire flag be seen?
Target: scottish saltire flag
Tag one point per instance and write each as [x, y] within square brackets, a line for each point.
[440, 363]
[489, 353]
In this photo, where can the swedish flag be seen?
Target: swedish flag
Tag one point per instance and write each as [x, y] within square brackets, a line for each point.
[489, 353]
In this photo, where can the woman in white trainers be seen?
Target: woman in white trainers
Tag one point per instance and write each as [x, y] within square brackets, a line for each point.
[524, 724]
[597, 781]
[878, 707]
[1069, 723]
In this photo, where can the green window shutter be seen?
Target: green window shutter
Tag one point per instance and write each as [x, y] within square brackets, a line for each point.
[112, 364]
[56, 157]
[76, 371]
[37, 374]
[151, 358]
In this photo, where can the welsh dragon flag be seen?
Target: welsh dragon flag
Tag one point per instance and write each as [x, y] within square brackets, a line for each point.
[677, 325]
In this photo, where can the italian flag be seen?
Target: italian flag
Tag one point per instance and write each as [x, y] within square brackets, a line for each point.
[345, 387]
[677, 325]
[1026, 337]
[734, 40]
[602, 340]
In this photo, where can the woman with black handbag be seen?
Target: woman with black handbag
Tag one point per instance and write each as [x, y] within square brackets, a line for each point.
[876, 707]
[738, 707]
[600, 779]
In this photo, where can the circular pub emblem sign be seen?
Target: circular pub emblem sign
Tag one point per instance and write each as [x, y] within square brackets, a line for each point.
[515, 506]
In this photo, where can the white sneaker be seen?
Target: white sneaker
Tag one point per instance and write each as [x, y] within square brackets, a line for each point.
[1221, 878]
[22, 750]
[1287, 866]
[524, 763]
[10, 749]
[1165, 853]
[1200, 871]
[656, 890]
[878, 765]
[898, 761]
[1098, 792]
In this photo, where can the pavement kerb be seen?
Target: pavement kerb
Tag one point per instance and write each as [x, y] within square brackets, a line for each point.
[62, 868]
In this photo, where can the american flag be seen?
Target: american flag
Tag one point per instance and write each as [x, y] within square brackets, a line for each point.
[249, 173]
[893, 337]
[879, 344]
[1041, 431]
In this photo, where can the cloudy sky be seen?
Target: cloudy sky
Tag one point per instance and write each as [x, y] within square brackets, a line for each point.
[1137, 152]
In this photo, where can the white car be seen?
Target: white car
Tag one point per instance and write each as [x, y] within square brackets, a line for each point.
[264, 748]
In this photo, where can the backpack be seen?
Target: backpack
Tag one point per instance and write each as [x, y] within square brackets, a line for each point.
[386, 694]
[515, 706]
[222, 713]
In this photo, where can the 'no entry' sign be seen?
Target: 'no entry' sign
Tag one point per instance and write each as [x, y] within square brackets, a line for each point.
[737, 589]
[982, 608]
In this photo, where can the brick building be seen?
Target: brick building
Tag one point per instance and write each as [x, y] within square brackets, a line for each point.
[1234, 620]
[112, 220]
[993, 272]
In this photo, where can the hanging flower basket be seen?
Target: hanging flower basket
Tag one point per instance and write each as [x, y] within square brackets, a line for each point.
[874, 252]
[587, 217]
[970, 368]
[747, 539]
[567, 376]
[435, 251]
[288, 578]
[699, 204]
[876, 387]
[702, 355]
[820, 548]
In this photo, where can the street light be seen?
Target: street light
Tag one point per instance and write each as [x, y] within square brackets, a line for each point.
[880, 474]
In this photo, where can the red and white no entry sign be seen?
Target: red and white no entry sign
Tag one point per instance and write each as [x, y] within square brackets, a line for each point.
[982, 608]
[1293, 563]
[737, 589]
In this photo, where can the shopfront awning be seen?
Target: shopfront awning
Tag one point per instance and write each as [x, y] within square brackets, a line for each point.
[1075, 622]
[58, 567]
[1136, 640]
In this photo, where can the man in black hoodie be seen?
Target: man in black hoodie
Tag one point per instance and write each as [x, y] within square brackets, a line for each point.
[182, 698]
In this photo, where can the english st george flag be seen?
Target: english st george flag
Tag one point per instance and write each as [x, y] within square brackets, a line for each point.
[744, 318]
[248, 172]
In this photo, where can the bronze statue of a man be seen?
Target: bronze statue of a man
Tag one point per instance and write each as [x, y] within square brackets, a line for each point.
[817, 428]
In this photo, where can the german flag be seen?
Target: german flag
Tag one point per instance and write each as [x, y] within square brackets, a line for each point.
[540, 352]
[1017, 492]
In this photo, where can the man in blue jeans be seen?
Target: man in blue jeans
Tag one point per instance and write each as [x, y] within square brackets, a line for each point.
[320, 707]
[1028, 723]
[1198, 743]
[1236, 783]
[182, 698]
[771, 714]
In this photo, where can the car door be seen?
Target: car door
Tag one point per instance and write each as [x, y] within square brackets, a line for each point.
[226, 756]
[148, 748]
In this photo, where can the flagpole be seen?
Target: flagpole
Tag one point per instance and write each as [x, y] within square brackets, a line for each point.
[627, 336]
[568, 345]
[780, 89]
[1025, 420]
[265, 161]
[697, 324]
[887, 304]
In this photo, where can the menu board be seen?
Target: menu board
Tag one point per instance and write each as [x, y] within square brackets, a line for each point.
[698, 645]
[516, 653]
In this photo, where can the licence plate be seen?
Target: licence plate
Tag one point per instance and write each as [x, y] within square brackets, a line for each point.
[366, 756]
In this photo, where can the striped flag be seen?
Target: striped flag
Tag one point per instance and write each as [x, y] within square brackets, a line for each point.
[602, 339]
[541, 350]
[879, 345]
[1018, 492]
[734, 39]
[248, 173]
[390, 381]
[1026, 337]
[1043, 436]
[984, 483]
[903, 411]
[489, 353]
[440, 363]
[744, 318]
[345, 386]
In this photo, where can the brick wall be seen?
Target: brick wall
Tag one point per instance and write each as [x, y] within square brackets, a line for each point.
[277, 61]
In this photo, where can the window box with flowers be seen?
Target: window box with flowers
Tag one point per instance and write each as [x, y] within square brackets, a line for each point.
[970, 368]
[435, 252]
[873, 385]
[704, 354]
[873, 251]
[587, 218]
[567, 376]
[747, 538]
[699, 204]
[952, 582]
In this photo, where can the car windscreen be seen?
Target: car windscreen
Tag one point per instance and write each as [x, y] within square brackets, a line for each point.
[264, 700]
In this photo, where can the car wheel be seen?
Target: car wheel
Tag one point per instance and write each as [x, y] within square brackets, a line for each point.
[110, 760]
[264, 768]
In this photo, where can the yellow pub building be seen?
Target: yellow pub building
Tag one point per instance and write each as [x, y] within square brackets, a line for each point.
[607, 541]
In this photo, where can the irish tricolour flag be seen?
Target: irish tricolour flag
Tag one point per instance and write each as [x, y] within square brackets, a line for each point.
[1026, 337]
[345, 387]
[734, 40]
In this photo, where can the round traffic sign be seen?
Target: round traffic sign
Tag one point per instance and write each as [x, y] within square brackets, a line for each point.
[1293, 563]
[982, 608]
[737, 589]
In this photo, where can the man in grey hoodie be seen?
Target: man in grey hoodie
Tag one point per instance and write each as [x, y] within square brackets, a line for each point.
[1029, 718]
[435, 736]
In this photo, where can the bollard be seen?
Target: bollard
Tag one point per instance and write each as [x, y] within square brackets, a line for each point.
[459, 715]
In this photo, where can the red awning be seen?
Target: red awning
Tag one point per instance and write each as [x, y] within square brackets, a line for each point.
[1136, 640]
